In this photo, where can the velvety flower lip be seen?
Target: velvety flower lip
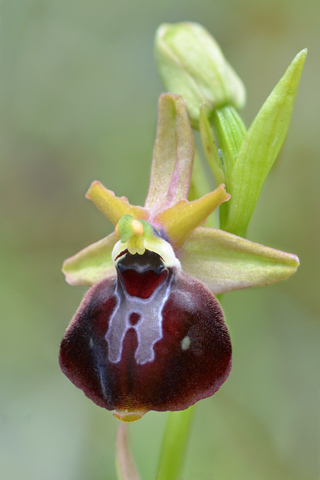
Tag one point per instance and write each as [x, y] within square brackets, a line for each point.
[151, 311]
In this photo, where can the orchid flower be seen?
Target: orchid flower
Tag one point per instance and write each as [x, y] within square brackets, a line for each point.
[150, 333]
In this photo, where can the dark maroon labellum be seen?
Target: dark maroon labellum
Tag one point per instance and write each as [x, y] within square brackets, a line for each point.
[150, 338]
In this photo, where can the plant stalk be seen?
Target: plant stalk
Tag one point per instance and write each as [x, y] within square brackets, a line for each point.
[174, 444]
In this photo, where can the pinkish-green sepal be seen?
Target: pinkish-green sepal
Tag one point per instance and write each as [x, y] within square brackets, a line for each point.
[172, 155]
[91, 264]
[226, 262]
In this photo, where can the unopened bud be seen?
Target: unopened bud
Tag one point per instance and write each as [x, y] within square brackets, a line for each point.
[191, 63]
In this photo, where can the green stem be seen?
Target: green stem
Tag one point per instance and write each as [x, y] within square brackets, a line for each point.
[230, 132]
[200, 186]
[210, 148]
[174, 444]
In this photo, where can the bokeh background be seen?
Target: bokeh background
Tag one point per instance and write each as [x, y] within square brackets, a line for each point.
[79, 92]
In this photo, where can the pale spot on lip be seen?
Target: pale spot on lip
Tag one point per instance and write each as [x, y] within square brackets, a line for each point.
[185, 343]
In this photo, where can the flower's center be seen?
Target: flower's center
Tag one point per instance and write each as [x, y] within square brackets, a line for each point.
[132, 232]
[137, 236]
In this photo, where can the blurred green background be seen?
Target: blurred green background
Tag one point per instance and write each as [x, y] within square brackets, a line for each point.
[79, 94]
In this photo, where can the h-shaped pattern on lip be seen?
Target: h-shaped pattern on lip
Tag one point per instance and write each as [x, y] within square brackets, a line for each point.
[148, 328]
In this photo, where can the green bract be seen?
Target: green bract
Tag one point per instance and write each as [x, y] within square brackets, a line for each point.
[260, 148]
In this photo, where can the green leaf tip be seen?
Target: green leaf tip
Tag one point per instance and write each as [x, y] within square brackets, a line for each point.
[260, 148]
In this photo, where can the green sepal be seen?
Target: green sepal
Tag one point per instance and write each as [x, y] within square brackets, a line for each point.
[91, 264]
[226, 262]
[260, 148]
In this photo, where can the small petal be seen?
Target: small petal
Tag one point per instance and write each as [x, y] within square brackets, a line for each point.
[260, 148]
[179, 221]
[225, 262]
[172, 155]
[91, 264]
[111, 206]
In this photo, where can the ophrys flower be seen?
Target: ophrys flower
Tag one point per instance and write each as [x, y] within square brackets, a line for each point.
[150, 334]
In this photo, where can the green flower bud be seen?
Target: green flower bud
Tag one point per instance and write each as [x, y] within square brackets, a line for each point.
[191, 63]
